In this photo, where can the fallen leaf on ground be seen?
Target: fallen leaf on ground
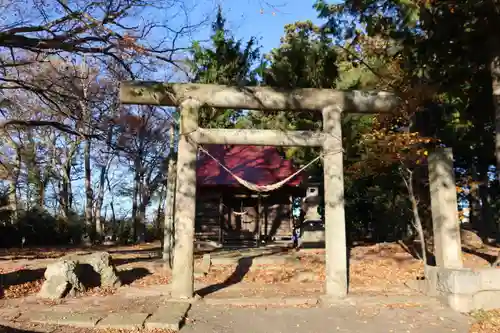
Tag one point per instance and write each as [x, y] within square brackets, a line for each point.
[486, 321]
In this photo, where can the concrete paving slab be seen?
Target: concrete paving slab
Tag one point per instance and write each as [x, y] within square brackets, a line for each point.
[87, 320]
[123, 320]
[430, 318]
[45, 317]
[258, 301]
[168, 317]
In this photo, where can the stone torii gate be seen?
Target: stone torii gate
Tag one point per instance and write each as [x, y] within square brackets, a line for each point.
[191, 97]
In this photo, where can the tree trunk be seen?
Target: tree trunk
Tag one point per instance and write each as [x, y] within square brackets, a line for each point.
[141, 216]
[168, 227]
[141, 223]
[407, 176]
[99, 230]
[13, 195]
[113, 215]
[495, 81]
[13, 187]
[40, 194]
[135, 200]
[159, 211]
[13, 201]
[88, 193]
[475, 202]
[101, 190]
[65, 190]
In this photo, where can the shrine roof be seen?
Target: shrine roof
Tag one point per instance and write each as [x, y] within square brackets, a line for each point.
[261, 165]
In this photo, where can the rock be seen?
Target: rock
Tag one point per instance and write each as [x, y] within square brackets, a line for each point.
[471, 239]
[204, 268]
[75, 273]
[101, 264]
[206, 262]
[198, 273]
[60, 278]
[207, 245]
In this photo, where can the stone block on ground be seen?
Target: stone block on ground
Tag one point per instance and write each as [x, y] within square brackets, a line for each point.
[168, 317]
[74, 273]
[123, 320]
[102, 264]
[80, 319]
[86, 320]
[207, 245]
[465, 290]
[206, 262]
[458, 281]
[259, 301]
[198, 273]
[312, 234]
[203, 269]
[44, 317]
[60, 278]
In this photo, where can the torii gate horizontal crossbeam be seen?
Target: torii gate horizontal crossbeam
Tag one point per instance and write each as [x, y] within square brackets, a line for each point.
[256, 98]
[258, 137]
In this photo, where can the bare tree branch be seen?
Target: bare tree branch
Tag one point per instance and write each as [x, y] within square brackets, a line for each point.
[44, 123]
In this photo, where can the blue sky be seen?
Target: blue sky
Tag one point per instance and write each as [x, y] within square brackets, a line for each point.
[263, 19]
[245, 19]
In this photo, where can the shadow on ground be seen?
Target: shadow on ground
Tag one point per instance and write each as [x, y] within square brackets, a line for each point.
[155, 249]
[125, 261]
[21, 276]
[127, 276]
[237, 276]
[242, 268]
[37, 253]
[6, 329]
[488, 257]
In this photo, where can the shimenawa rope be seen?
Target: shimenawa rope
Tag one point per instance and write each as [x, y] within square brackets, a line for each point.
[270, 187]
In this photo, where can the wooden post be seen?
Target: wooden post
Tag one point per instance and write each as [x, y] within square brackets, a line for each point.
[185, 203]
[495, 80]
[221, 218]
[335, 229]
[446, 227]
[259, 225]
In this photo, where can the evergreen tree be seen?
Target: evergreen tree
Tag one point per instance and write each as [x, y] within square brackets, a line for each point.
[226, 61]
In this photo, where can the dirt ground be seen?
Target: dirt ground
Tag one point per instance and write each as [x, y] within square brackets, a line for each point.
[380, 269]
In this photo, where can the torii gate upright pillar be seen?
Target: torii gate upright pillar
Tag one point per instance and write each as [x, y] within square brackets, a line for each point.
[335, 229]
[185, 203]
